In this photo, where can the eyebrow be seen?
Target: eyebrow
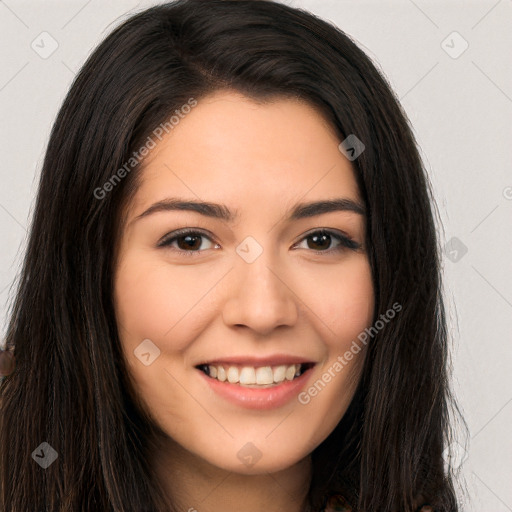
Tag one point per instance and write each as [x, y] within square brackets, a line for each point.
[221, 212]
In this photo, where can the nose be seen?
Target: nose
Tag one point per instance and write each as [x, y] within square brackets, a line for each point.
[259, 297]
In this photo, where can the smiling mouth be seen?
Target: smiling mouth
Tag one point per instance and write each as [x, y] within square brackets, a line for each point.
[254, 376]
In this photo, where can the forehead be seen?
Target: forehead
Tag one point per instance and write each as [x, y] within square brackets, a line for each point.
[231, 148]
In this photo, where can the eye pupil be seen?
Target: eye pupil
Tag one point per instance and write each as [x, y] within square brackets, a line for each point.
[323, 238]
[189, 245]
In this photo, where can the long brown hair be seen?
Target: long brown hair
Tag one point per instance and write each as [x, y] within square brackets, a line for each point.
[70, 388]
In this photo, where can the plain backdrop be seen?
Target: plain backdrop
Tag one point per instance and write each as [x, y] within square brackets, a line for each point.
[448, 62]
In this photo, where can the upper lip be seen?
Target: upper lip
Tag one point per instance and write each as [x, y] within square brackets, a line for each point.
[274, 360]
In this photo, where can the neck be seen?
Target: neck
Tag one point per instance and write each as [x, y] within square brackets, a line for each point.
[194, 485]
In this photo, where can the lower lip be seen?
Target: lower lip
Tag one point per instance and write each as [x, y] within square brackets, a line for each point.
[264, 398]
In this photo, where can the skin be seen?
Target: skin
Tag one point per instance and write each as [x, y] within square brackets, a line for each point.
[258, 160]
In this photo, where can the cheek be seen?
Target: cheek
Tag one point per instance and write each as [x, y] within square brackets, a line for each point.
[154, 301]
[356, 301]
[343, 300]
[140, 298]
[346, 305]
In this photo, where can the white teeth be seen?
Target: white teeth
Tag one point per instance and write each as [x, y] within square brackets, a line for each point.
[221, 373]
[264, 375]
[290, 372]
[279, 373]
[247, 375]
[233, 375]
[250, 376]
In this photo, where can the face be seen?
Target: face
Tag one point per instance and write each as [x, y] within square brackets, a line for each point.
[264, 281]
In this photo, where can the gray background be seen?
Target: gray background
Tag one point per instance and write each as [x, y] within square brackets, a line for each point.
[460, 105]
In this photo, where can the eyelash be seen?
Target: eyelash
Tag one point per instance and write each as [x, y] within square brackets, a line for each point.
[345, 241]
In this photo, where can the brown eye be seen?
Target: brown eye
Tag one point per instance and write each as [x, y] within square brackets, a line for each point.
[186, 240]
[321, 240]
[189, 242]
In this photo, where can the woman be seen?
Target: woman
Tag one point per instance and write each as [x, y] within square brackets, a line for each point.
[295, 358]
